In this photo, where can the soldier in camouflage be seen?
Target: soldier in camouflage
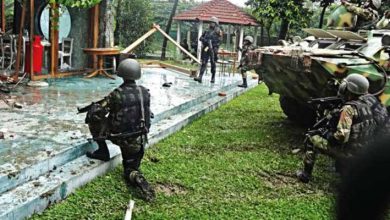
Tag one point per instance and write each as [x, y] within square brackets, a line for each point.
[210, 44]
[244, 62]
[355, 127]
[124, 118]
[384, 23]
[367, 13]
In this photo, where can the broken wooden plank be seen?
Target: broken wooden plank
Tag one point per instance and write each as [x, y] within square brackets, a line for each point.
[139, 40]
[175, 43]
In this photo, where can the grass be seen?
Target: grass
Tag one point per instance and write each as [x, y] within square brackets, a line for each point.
[233, 162]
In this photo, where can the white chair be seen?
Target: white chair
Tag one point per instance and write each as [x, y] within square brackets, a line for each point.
[66, 52]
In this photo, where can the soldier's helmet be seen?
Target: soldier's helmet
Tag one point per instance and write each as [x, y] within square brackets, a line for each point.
[129, 69]
[355, 84]
[377, 3]
[214, 19]
[249, 39]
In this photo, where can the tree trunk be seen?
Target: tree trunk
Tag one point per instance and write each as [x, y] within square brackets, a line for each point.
[168, 28]
[284, 29]
[117, 37]
[322, 16]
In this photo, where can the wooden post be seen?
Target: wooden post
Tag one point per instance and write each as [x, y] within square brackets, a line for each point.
[240, 43]
[200, 31]
[20, 41]
[94, 18]
[138, 41]
[32, 10]
[3, 16]
[178, 38]
[54, 39]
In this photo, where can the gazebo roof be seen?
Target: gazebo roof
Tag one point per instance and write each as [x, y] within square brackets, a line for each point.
[225, 11]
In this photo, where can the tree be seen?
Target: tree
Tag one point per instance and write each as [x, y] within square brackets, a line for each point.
[133, 19]
[287, 12]
[324, 4]
[167, 29]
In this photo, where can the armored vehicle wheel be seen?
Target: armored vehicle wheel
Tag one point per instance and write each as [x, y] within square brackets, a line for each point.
[297, 112]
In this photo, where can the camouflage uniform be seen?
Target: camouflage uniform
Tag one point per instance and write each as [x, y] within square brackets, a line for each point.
[212, 36]
[245, 62]
[366, 16]
[123, 106]
[384, 23]
[354, 129]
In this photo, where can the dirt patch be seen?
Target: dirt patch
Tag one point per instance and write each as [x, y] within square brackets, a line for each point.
[170, 189]
[277, 179]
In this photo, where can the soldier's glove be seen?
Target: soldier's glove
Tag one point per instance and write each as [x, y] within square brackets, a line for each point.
[319, 142]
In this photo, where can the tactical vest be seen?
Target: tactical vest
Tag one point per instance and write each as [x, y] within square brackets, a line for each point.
[379, 112]
[213, 35]
[126, 115]
[363, 125]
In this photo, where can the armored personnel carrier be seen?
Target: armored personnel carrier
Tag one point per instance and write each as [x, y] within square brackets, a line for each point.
[305, 70]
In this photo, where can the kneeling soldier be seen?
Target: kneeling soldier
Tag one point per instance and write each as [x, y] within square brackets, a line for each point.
[124, 118]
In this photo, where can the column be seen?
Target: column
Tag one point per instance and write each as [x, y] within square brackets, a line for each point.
[255, 36]
[228, 37]
[240, 43]
[178, 38]
[200, 31]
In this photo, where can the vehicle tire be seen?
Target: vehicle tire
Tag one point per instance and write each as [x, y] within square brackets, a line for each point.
[297, 112]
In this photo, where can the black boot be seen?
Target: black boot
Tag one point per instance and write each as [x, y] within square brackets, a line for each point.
[244, 83]
[199, 78]
[212, 78]
[305, 175]
[136, 179]
[101, 153]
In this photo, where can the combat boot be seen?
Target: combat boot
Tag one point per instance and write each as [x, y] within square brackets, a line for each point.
[305, 175]
[139, 181]
[199, 78]
[212, 78]
[244, 83]
[101, 153]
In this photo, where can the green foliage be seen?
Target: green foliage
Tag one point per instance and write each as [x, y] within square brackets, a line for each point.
[77, 3]
[134, 18]
[236, 161]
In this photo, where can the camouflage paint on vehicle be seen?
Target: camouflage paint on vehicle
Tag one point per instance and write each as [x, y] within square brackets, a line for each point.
[305, 73]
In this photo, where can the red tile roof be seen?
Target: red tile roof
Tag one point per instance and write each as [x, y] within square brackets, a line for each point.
[225, 11]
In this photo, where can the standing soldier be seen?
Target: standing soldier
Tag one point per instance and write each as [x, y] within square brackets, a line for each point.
[244, 62]
[355, 127]
[124, 118]
[367, 13]
[210, 45]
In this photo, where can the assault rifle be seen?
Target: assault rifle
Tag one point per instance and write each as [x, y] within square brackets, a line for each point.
[84, 109]
[328, 111]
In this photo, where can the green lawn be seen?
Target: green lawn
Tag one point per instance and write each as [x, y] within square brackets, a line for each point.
[234, 162]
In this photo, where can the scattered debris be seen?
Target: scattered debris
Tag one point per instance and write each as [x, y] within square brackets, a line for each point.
[169, 84]
[37, 184]
[38, 84]
[222, 94]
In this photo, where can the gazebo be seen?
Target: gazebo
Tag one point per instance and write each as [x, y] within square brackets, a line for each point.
[225, 11]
